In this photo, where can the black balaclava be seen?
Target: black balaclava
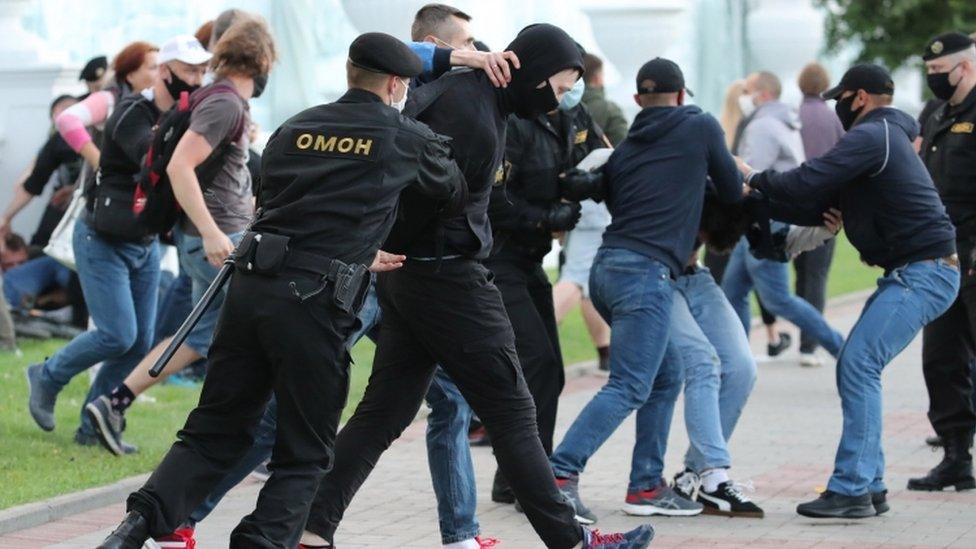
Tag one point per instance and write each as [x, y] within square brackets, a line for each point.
[543, 50]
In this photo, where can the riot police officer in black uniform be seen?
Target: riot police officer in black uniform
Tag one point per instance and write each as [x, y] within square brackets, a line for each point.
[442, 307]
[331, 180]
[949, 342]
[525, 214]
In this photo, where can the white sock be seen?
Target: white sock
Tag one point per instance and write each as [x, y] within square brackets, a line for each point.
[313, 540]
[711, 478]
[466, 544]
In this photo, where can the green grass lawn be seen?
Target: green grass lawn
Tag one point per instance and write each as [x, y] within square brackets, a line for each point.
[36, 465]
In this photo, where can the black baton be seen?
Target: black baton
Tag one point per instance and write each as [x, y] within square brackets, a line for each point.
[191, 321]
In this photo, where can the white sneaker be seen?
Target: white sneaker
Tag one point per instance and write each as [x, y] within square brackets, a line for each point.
[810, 360]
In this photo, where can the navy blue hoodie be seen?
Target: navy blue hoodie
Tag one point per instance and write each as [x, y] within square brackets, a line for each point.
[656, 182]
[892, 212]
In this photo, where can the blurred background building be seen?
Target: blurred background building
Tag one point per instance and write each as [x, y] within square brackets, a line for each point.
[43, 44]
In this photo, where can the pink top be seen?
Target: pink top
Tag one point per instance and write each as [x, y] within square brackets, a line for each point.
[93, 111]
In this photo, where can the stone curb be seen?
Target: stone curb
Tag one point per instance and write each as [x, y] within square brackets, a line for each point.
[41, 512]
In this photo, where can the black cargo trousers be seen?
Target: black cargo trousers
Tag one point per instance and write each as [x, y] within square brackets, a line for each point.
[948, 351]
[449, 314]
[267, 341]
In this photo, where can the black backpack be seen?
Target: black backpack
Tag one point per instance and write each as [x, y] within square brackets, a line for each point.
[154, 203]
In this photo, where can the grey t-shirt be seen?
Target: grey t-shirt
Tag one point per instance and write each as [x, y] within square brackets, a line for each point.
[229, 197]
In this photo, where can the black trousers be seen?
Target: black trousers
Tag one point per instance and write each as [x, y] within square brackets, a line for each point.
[527, 295]
[450, 315]
[811, 283]
[948, 351]
[266, 341]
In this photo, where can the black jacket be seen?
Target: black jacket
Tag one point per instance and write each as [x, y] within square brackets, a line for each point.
[464, 106]
[331, 176]
[949, 152]
[656, 182]
[892, 212]
[536, 151]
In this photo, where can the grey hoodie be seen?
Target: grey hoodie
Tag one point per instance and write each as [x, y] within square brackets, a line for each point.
[771, 139]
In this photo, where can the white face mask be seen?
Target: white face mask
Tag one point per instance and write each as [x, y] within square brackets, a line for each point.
[745, 103]
[398, 105]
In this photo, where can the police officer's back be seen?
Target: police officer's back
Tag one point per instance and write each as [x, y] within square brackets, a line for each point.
[332, 175]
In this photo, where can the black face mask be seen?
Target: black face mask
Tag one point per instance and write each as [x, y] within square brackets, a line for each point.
[260, 82]
[940, 86]
[844, 112]
[543, 50]
[176, 86]
[538, 101]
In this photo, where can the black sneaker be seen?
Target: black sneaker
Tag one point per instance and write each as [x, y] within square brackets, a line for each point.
[686, 484]
[727, 500]
[880, 502]
[570, 488]
[784, 343]
[108, 423]
[834, 505]
[84, 439]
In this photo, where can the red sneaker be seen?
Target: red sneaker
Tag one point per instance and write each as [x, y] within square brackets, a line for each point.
[486, 542]
[182, 538]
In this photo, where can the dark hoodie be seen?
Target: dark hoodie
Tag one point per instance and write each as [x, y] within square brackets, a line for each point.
[656, 182]
[892, 212]
[464, 106]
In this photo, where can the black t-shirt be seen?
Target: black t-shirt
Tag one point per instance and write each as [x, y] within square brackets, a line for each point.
[53, 154]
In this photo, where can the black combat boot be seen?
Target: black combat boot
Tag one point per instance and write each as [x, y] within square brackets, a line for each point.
[956, 468]
[131, 534]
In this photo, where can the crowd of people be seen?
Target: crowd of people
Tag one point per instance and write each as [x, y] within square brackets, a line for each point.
[416, 210]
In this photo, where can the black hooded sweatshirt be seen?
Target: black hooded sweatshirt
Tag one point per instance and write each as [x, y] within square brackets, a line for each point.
[466, 107]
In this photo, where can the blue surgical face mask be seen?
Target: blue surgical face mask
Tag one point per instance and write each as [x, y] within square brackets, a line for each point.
[573, 96]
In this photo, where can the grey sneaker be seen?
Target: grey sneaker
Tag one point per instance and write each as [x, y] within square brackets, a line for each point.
[40, 400]
[108, 423]
[661, 500]
[570, 488]
[686, 484]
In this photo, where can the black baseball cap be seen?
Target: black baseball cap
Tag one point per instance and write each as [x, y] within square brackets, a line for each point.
[945, 44]
[869, 77]
[94, 69]
[382, 53]
[665, 77]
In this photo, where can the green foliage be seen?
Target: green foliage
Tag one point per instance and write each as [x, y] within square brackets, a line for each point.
[892, 32]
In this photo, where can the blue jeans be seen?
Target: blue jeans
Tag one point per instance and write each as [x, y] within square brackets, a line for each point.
[771, 281]
[120, 281]
[264, 435]
[633, 293]
[194, 261]
[449, 459]
[23, 283]
[717, 321]
[907, 299]
[705, 328]
[175, 305]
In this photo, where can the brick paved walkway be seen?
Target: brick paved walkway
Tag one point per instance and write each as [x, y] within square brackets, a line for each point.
[785, 445]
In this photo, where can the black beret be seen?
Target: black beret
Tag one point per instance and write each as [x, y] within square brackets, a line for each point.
[382, 53]
[94, 69]
[945, 44]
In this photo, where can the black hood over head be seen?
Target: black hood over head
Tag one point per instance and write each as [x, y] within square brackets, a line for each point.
[543, 50]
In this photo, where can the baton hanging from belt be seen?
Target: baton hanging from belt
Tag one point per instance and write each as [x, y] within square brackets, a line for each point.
[191, 321]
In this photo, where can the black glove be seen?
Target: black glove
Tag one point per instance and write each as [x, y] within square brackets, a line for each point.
[577, 184]
[562, 216]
